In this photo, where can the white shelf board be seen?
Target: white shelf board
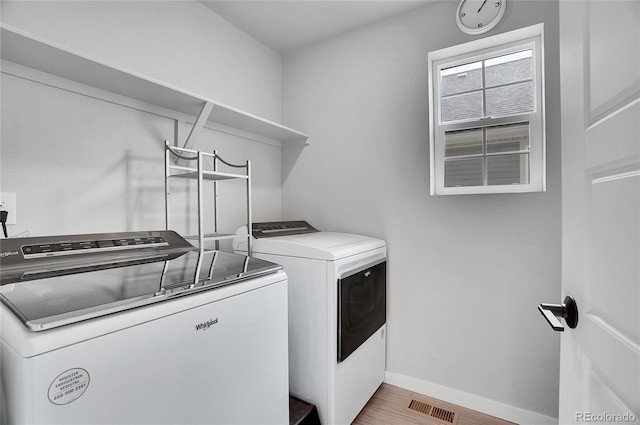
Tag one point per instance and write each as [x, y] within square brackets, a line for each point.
[30, 51]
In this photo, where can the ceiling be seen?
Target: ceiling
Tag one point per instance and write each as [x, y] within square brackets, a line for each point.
[287, 25]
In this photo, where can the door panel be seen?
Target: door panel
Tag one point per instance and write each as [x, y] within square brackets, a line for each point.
[611, 272]
[608, 43]
[611, 357]
[620, 126]
[600, 72]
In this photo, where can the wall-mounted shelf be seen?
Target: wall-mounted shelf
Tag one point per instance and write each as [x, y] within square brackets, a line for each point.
[32, 52]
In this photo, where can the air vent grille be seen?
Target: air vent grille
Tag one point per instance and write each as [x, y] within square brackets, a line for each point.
[435, 413]
[420, 407]
[443, 414]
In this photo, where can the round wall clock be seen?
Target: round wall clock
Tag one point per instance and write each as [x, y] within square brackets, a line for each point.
[479, 16]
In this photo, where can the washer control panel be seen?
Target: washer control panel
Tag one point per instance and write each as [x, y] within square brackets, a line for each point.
[72, 247]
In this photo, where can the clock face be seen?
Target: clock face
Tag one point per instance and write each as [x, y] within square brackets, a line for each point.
[478, 16]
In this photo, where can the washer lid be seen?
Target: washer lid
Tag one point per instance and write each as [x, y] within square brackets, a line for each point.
[65, 293]
[320, 245]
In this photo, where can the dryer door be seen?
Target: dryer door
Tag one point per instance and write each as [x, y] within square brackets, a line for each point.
[362, 300]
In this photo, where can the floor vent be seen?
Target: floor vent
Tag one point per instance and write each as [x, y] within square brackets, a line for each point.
[443, 415]
[435, 413]
[420, 407]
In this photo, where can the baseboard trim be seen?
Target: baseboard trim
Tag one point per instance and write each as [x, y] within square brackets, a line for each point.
[470, 401]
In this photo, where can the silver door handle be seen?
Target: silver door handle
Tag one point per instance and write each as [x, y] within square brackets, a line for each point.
[567, 310]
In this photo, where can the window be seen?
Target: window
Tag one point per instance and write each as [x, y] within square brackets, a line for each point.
[487, 115]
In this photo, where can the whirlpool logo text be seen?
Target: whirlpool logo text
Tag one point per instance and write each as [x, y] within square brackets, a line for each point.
[206, 325]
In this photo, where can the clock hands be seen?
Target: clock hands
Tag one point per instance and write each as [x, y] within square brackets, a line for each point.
[476, 17]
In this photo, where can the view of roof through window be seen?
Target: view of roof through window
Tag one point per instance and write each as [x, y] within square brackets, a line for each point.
[496, 86]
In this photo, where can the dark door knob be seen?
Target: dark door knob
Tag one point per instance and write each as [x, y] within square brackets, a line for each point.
[567, 310]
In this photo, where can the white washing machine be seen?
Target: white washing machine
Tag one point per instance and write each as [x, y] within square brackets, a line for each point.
[140, 328]
[337, 313]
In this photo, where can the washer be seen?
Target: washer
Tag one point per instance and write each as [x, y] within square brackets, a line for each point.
[337, 313]
[140, 328]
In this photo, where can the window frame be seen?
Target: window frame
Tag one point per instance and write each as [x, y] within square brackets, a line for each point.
[529, 38]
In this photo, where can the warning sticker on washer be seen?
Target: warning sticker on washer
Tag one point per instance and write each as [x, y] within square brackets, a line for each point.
[68, 386]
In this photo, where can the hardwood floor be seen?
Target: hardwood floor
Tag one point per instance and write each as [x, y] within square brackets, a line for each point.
[388, 406]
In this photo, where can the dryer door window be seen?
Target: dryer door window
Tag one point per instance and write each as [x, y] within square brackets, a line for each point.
[361, 307]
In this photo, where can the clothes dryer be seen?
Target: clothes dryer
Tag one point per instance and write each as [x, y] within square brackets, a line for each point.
[337, 313]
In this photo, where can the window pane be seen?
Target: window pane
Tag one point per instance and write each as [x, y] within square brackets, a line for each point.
[461, 79]
[511, 99]
[463, 142]
[463, 172]
[508, 169]
[509, 69]
[464, 106]
[508, 138]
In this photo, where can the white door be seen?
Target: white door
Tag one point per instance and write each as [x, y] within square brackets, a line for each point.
[600, 77]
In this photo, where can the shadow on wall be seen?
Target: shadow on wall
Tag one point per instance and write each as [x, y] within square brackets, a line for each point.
[290, 156]
[145, 207]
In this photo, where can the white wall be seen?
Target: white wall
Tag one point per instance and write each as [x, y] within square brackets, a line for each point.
[465, 272]
[78, 164]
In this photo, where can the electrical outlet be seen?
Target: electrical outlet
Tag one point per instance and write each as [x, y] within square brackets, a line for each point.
[8, 203]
